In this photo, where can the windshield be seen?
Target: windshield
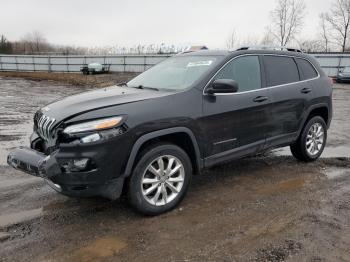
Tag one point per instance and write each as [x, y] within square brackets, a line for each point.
[175, 73]
[346, 70]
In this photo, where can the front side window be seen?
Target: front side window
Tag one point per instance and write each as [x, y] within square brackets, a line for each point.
[175, 73]
[245, 71]
[280, 70]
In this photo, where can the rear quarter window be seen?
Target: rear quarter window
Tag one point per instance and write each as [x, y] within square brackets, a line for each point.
[307, 71]
[280, 70]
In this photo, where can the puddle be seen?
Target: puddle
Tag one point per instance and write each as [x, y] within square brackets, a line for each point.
[291, 184]
[337, 151]
[283, 186]
[336, 173]
[19, 217]
[99, 249]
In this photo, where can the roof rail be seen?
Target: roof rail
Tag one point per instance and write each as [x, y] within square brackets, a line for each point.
[263, 47]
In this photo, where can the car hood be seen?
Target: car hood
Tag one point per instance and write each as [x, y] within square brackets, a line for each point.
[81, 103]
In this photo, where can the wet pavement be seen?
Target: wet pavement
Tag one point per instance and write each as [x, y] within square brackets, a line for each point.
[266, 208]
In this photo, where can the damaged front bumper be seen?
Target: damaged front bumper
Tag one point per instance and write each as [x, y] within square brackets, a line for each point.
[33, 162]
[75, 184]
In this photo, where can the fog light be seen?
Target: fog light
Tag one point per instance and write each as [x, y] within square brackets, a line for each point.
[77, 165]
[80, 163]
[90, 138]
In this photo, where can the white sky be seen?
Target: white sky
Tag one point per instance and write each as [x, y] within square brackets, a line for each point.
[132, 22]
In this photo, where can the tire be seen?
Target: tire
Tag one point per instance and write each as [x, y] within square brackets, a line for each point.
[311, 141]
[153, 192]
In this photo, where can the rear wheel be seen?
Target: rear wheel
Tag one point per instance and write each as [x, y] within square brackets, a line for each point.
[311, 141]
[160, 179]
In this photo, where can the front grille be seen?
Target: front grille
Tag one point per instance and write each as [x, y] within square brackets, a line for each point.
[43, 126]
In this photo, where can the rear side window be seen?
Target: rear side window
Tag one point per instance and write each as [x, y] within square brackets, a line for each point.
[245, 70]
[280, 70]
[307, 71]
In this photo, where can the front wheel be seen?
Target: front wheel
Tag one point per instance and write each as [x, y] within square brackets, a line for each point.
[160, 179]
[312, 140]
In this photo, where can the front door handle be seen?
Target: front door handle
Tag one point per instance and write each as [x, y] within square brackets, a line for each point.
[305, 90]
[260, 99]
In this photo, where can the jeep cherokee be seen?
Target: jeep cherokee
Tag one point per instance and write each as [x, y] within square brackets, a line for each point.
[192, 111]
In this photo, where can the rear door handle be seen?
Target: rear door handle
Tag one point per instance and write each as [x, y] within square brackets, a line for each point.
[260, 99]
[305, 90]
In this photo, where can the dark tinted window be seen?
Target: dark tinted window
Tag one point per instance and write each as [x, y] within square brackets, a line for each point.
[307, 71]
[280, 70]
[245, 70]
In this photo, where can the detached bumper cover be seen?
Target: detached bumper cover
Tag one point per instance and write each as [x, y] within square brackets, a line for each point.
[33, 162]
[72, 184]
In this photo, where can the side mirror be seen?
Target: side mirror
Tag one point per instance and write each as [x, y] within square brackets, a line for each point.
[223, 86]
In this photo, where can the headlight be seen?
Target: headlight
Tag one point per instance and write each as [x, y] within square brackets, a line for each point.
[93, 125]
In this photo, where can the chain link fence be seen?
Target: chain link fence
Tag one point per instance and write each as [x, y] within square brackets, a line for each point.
[73, 63]
[330, 62]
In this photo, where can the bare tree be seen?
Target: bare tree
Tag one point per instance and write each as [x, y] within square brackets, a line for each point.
[310, 45]
[250, 40]
[39, 41]
[339, 20]
[268, 38]
[324, 34]
[232, 41]
[287, 20]
[34, 42]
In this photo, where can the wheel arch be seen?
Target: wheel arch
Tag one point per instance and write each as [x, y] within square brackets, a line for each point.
[169, 135]
[322, 110]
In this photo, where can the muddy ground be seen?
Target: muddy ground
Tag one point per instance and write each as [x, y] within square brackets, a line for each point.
[266, 208]
[77, 79]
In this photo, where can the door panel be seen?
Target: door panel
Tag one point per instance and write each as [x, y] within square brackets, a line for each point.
[289, 98]
[234, 121]
[235, 124]
[288, 106]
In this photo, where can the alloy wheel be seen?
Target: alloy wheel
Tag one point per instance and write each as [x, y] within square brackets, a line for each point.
[162, 180]
[315, 139]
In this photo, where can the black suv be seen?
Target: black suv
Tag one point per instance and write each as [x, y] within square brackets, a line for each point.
[192, 111]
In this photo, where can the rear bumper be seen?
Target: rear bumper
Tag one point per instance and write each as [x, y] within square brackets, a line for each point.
[37, 164]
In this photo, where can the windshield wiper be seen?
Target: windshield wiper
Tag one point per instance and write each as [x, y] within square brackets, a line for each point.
[145, 87]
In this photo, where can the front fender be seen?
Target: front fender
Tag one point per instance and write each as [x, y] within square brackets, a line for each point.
[159, 133]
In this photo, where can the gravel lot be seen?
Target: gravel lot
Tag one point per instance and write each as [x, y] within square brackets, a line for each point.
[266, 208]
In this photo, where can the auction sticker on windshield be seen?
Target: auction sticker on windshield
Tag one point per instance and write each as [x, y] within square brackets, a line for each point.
[200, 63]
